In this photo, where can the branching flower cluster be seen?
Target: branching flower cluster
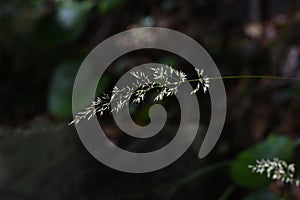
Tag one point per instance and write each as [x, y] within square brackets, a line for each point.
[202, 81]
[277, 170]
[167, 82]
[98, 106]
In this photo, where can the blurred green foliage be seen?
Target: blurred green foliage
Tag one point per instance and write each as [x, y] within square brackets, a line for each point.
[60, 91]
[106, 6]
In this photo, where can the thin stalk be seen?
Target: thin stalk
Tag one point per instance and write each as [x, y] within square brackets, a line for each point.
[177, 184]
[227, 192]
[255, 76]
[201, 172]
[172, 187]
[248, 77]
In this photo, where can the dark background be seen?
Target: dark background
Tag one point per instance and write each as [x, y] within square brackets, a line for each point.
[42, 44]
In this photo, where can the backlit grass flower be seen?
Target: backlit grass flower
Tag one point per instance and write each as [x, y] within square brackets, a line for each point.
[276, 169]
[168, 81]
